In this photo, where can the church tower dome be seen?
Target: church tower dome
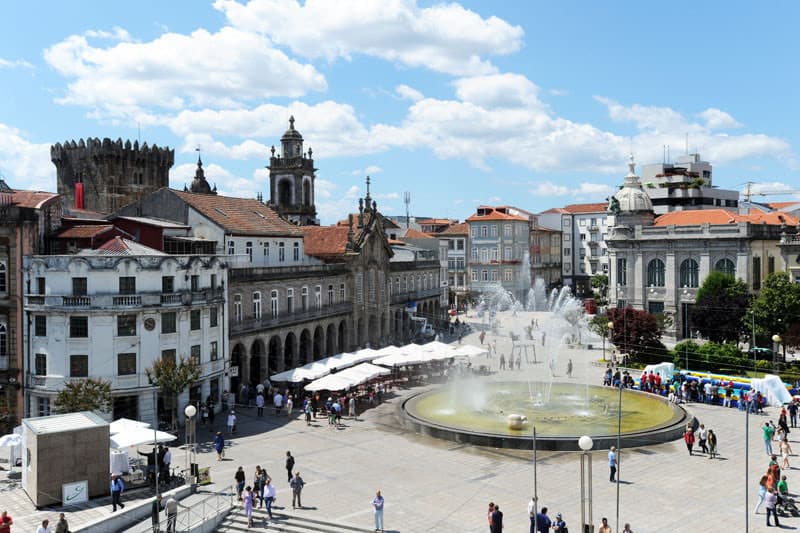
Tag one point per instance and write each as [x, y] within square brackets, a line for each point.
[291, 179]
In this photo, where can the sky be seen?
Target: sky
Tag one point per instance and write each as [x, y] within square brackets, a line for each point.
[533, 104]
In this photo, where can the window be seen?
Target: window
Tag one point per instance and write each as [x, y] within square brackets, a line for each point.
[194, 319]
[484, 255]
[194, 354]
[3, 278]
[474, 231]
[689, 273]
[40, 327]
[296, 251]
[655, 308]
[474, 275]
[78, 327]
[507, 253]
[507, 230]
[655, 273]
[474, 254]
[484, 275]
[304, 298]
[213, 352]
[756, 273]
[126, 364]
[342, 293]
[40, 286]
[213, 319]
[509, 275]
[167, 284]
[726, 266]
[460, 244]
[169, 322]
[248, 249]
[771, 264]
[127, 285]
[231, 248]
[330, 295]
[42, 406]
[281, 252]
[318, 297]
[213, 281]
[274, 303]
[126, 325]
[266, 250]
[237, 307]
[194, 283]
[257, 305]
[484, 231]
[169, 355]
[493, 230]
[78, 366]
[79, 286]
[566, 237]
[494, 254]
[40, 365]
[566, 252]
[622, 271]
[290, 301]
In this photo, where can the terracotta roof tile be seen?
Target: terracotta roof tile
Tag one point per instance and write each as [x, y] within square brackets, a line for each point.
[240, 216]
[782, 205]
[456, 229]
[122, 246]
[411, 233]
[324, 242]
[696, 217]
[86, 231]
[586, 208]
[494, 214]
[437, 221]
[32, 199]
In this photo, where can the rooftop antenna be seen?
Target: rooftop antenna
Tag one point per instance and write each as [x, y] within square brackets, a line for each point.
[407, 200]
[667, 153]
[687, 143]
[199, 149]
[664, 154]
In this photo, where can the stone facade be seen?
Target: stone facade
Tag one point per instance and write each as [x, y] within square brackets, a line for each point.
[291, 179]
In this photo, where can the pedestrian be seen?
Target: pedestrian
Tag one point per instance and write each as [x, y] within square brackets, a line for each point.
[612, 464]
[762, 492]
[259, 478]
[771, 501]
[248, 506]
[232, 422]
[297, 488]
[502, 361]
[289, 465]
[793, 413]
[352, 407]
[210, 404]
[627, 528]
[688, 438]
[482, 336]
[277, 401]
[712, 444]
[45, 527]
[307, 409]
[605, 528]
[497, 520]
[785, 449]
[377, 506]
[543, 522]
[203, 415]
[268, 494]
[289, 405]
[5, 522]
[166, 465]
[62, 526]
[219, 445]
[559, 524]
[260, 405]
[117, 488]
[702, 435]
[767, 431]
[155, 513]
[171, 508]
[239, 478]
[489, 515]
[569, 368]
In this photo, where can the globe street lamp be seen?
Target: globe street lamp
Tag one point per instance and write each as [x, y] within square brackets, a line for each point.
[585, 443]
[776, 348]
[190, 411]
[610, 327]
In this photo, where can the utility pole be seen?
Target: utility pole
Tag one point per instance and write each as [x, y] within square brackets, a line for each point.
[407, 200]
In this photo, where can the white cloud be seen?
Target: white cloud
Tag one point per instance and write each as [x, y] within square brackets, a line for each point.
[558, 92]
[227, 184]
[387, 196]
[25, 164]
[409, 93]
[368, 171]
[445, 37]
[769, 188]
[717, 119]
[583, 190]
[335, 205]
[117, 34]
[16, 63]
[174, 71]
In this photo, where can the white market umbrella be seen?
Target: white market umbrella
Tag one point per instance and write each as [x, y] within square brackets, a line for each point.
[9, 441]
[469, 351]
[125, 424]
[139, 436]
[329, 382]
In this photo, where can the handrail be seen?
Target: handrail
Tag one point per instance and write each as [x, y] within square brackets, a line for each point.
[197, 513]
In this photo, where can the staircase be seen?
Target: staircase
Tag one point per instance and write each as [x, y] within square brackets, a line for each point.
[288, 523]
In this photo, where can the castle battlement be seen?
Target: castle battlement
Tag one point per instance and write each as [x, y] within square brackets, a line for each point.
[97, 149]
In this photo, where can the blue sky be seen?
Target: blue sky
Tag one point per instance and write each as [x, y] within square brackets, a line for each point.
[534, 104]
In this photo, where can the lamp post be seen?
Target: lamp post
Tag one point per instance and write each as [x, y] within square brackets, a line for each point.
[585, 443]
[189, 411]
[610, 330]
[775, 349]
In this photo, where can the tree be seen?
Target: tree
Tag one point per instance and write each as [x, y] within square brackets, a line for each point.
[599, 325]
[88, 394]
[776, 309]
[172, 379]
[600, 286]
[637, 333]
[719, 308]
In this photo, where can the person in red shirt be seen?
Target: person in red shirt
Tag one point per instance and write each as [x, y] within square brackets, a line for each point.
[688, 437]
[5, 522]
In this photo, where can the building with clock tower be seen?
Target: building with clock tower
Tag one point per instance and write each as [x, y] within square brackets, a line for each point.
[291, 180]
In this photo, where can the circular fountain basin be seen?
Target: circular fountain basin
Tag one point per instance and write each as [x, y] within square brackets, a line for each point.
[477, 412]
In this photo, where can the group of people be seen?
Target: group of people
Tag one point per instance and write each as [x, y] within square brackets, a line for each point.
[62, 526]
[159, 460]
[612, 376]
[773, 490]
[262, 493]
[705, 438]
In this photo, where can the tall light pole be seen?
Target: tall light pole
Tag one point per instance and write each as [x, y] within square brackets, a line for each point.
[189, 411]
[775, 349]
[619, 447]
[610, 330]
[585, 443]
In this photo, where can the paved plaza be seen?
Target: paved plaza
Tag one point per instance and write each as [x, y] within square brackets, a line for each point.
[439, 486]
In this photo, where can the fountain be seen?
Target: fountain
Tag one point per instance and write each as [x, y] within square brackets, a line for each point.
[503, 413]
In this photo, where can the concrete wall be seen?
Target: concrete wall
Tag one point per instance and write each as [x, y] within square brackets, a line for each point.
[131, 514]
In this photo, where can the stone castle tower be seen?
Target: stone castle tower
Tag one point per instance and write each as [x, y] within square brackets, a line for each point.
[291, 180]
[111, 174]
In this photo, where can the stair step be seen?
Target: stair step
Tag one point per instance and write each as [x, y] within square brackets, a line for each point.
[236, 521]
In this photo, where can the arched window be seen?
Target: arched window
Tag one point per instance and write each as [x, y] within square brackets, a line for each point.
[256, 305]
[725, 266]
[307, 192]
[304, 298]
[690, 273]
[3, 278]
[655, 273]
[285, 192]
[237, 307]
[3, 341]
[274, 303]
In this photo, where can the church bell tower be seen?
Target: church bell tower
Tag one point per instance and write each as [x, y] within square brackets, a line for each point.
[291, 180]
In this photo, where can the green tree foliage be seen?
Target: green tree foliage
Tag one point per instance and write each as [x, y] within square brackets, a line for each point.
[720, 307]
[172, 379]
[776, 309]
[84, 395]
[599, 325]
[712, 357]
[637, 333]
[600, 286]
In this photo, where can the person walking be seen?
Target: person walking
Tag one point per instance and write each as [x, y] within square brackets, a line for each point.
[289, 466]
[497, 520]
[489, 514]
[297, 488]
[307, 409]
[232, 422]
[62, 526]
[688, 438]
[248, 506]
[219, 445]
[377, 506]
[762, 492]
[239, 478]
[793, 413]
[289, 405]
[702, 435]
[569, 368]
[767, 431]
[712, 444]
[5, 522]
[155, 513]
[260, 405]
[785, 450]
[268, 494]
[44, 528]
[277, 401]
[612, 464]
[605, 528]
[171, 508]
[259, 479]
[543, 522]
[117, 488]
[559, 524]
[771, 501]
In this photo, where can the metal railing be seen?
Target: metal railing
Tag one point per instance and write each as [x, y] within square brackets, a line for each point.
[297, 317]
[146, 299]
[195, 514]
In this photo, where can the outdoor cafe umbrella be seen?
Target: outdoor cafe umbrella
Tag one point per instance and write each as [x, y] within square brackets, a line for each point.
[136, 436]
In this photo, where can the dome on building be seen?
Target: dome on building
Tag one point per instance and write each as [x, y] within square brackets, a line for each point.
[632, 198]
[199, 183]
[291, 134]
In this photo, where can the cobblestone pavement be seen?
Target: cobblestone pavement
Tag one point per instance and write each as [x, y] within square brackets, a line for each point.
[439, 486]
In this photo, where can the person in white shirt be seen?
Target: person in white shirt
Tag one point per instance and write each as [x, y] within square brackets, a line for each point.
[268, 495]
[260, 404]
[289, 405]
[532, 508]
[702, 436]
[44, 528]
[232, 422]
[278, 402]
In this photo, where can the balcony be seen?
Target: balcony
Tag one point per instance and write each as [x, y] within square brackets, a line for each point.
[594, 228]
[115, 301]
[415, 295]
[284, 272]
[289, 319]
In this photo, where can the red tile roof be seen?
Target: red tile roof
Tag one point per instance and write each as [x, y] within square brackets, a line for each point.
[32, 199]
[84, 231]
[494, 214]
[411, 233]
[436, 221]
[782, 205]
[586, 208]
[721, 216]
[325, 242]
[456, 229]
[240, 216]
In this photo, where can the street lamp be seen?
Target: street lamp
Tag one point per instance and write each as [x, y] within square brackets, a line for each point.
[610, 327]
[585, 443]
[189, 411]
[775, 349]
